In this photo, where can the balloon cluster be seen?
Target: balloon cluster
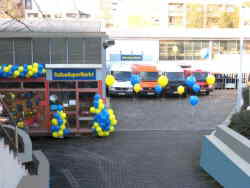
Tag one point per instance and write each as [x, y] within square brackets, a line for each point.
[59, 121]
[191, 83]
[162, 82]
[104, 120]
[22, 71]
[135, 81]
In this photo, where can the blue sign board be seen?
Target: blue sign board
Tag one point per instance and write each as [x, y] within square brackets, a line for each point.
[131, 57]
[73, 74]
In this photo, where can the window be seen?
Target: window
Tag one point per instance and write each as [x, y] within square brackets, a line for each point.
[93, 51]
[28, 4]
[6, 56]
[75, 51]
[182, 50]
[58, 51]
[41, 50]
[22, 51]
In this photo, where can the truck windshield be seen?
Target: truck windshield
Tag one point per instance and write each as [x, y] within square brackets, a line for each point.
[200, 76]
[175, 76]
[122, 75]
[149, 76]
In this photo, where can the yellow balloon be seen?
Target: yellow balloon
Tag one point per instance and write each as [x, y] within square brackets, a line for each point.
[98, 129]
[110, 111]
[100, 101]
[112, 129]
[100, 133]
[110, 80]
[30, 73]
[98, 111]
[6, 69]
[20, 69]
[106, 133]
[63, 126]
[163, 81]
[95, 125]
[137, 88]
[60, 133]
[101, 106]
[44, 71]
[54, 121]
[63, 115]
[29, 67]
[180, 90]
[16, 74]
[34, 70]
[112, 117]
[35, 65]
[20, 124]
[55, 134]
[92, 110]
[210, 80]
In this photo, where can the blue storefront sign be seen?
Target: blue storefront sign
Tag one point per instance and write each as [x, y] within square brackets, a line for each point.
[73, 74]
[131, 57]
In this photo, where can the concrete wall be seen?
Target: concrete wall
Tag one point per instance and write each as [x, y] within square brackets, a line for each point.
[225, 156]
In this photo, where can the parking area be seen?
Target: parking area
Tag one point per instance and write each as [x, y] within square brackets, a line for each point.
[157, 144]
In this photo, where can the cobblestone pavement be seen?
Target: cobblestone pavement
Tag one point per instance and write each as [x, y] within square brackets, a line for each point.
[156, 147]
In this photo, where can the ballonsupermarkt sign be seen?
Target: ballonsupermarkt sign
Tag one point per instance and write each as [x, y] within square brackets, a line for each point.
[74, 74]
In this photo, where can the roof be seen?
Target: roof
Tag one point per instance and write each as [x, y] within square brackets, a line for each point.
[47, 25]
[169, 68]
[119, 67]
[144, 68]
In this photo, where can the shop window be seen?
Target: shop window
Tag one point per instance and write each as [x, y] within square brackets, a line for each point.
[62, 85]
[10, 85]
[93, 51]
[6, 51]
[34, 85]
[71, 121]
[66, 98]
[22, 51]
[92, 84]
[85, 124]
[41, 50]
[58, 51]
[247, 46]
[75, 51]
[85, 102]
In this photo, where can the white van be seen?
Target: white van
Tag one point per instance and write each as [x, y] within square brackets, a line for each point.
[122, 74]
[175, 75]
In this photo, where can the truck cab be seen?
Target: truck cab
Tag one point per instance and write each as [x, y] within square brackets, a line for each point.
[122, 74]
[200, 76]
[176, 78]
[149, 76]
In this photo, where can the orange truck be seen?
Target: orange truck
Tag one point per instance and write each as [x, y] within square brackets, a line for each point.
[149, 76]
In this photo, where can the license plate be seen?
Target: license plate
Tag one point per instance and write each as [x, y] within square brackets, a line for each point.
[150, 93]
[121, 93]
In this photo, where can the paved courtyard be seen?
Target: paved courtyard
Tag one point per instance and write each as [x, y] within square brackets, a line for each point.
[157, 145]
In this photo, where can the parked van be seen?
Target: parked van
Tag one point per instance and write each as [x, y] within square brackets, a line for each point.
[176, 78]
[149, 76]
[122, 74]
[200, 76]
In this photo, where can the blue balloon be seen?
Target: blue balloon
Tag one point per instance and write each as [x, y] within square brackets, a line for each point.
[14, 68]
[196, 88]
[158, 89]
[40, 67]
[53, 107]
[190, 81]
[59, 107]
[95, 104]
[193, 100]
[56, 115]
[54, 128]
[22, 75]
[60, 121]
[66, 131]
[97, 96]
[135, 79]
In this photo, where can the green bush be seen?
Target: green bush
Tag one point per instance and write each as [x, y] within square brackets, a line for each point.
[240, 122]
